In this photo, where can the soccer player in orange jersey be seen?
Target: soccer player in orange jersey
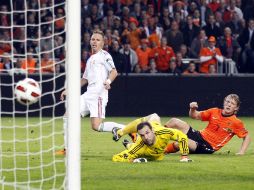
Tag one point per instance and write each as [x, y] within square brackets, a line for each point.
[223, 125]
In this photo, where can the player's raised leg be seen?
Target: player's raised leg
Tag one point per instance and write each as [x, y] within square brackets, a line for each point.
[132, 126]
[100, 126]
[178, 124]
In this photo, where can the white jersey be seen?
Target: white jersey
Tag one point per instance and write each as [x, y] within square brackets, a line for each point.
[97, 71]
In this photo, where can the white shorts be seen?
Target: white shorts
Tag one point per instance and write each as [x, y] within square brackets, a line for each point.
[94, 105]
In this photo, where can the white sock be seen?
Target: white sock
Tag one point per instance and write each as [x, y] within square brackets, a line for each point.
[65, 122]
[108, 126]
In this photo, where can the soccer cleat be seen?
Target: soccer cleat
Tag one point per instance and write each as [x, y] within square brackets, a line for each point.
[125, 143]
[133, 136]
[116, 137]
[61, 152]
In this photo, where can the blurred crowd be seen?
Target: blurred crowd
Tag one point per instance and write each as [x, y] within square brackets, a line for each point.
[32, 36]
[143, 36]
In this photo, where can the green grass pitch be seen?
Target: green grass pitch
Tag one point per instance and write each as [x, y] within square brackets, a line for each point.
[220, 171]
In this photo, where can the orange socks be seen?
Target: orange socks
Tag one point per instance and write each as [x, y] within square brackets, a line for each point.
[171, 149]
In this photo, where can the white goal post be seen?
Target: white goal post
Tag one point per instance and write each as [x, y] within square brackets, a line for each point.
[73, 95]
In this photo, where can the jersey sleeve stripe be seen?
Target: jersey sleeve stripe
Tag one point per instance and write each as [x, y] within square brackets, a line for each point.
[136, 148]
[108, 60]
[161, 132]
[185, 146]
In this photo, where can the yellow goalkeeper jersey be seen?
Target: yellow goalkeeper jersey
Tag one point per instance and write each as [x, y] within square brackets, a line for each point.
[156, 151]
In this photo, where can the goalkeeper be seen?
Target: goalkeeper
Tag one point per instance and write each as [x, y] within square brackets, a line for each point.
[151, 142]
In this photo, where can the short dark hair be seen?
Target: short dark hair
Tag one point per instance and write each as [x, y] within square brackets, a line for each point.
[143, 124]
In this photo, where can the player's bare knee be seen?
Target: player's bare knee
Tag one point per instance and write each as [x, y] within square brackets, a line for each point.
[172, 123]
[154, 117]
[178, 124]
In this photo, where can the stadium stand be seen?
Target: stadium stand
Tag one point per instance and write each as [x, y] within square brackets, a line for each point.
[179, 21]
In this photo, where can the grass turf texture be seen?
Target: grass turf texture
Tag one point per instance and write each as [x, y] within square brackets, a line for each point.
[220, 171]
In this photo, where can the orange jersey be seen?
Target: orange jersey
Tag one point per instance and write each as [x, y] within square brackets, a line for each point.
[5, 48]
[59, 24]
[47, 66]
[204, 67]
[143, 57]
[162, 57]
[154, 38]
[221, 129]
[134, 37]
[29, 65]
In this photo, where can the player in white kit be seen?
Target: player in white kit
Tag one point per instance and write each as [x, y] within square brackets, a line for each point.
[99, 74]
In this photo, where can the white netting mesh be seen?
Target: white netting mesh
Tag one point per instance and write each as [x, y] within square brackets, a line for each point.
[32, 44]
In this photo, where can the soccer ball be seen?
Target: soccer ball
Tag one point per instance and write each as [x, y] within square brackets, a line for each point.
[139, 160]
[27, 91]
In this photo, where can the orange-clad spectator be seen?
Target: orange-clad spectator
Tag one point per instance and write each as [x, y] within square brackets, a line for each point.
[162, 56]
[60, 22]
[143, 55]
[4, 47]
[29, 64]
[191, 69]
[209, 56]
[47, 65]
[134, 34]
[5, 62]
[154, 38]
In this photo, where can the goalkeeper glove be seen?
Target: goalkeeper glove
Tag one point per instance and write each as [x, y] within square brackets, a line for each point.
[139, 160]
[184, 158]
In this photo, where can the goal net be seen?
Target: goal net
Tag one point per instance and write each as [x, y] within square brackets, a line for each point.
[32, 45]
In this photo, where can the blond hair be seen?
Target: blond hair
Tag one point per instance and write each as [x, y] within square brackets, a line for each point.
[236, 98]
[99, 32]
